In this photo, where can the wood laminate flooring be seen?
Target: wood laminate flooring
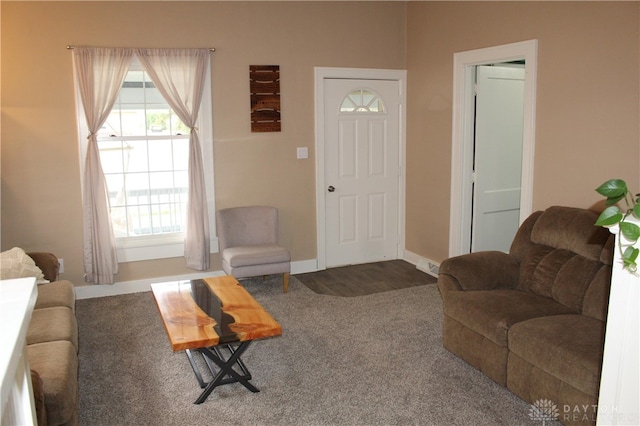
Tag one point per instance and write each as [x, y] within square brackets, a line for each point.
[359, 280]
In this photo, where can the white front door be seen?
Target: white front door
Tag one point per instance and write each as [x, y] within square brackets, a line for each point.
[362, 170]
[498, 157]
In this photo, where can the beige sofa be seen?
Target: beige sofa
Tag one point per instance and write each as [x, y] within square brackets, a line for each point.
[52, 347]
[533, 320]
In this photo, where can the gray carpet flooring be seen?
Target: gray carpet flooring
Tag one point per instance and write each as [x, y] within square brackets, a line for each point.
[367, 360]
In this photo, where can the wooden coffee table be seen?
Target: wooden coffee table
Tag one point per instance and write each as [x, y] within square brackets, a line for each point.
[217, 318]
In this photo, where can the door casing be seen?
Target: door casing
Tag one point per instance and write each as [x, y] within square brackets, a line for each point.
[321, 74]
[464, 64]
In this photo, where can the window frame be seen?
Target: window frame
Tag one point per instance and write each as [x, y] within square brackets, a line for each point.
[163, 246]
[362, 108]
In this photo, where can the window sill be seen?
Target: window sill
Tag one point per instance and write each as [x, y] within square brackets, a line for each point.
[146, 249]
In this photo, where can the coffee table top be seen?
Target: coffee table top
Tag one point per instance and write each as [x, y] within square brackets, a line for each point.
[211, 311]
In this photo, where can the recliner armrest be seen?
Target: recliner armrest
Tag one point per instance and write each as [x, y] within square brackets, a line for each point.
[48, 263]
[485, 270]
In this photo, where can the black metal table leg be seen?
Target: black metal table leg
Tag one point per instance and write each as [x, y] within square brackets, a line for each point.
[226, 374]
[194, 367]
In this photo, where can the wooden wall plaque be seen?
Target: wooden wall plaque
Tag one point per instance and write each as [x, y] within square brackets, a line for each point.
[265, 98]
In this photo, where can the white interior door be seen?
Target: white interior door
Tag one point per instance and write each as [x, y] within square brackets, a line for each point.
[498, 157]
[361, 152]
[462, 143]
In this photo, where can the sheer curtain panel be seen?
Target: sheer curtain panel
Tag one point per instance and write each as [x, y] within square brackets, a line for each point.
[179, 75]
[100, 73]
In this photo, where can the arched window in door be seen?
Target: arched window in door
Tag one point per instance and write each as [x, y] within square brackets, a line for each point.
[362, 100]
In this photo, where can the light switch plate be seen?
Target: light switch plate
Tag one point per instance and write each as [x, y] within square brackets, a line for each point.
[302, 152]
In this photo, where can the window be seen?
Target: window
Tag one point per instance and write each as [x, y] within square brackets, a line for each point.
[144, 152]
[362, 100]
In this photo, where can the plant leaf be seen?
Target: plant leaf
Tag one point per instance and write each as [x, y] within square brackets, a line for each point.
[613, 200]
[629, 257]
[613, 188]
[636, 210]
[630, 230]
[610, 216]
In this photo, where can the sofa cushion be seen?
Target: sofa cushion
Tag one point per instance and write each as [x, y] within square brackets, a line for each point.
[57, 365]
[568, 347]
[57, 293]
[558, 274]
[491, 313]
[38, 398]
[49, 324]
[596, 298]
[572, 229]
[255, 255]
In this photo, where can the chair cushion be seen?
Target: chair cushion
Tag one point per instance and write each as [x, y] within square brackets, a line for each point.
[491, 313]
[255, 255]
[568, 347]
[57, 365]
[57, 293]
[49, 324]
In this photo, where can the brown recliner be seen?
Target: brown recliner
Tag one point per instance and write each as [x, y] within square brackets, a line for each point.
[533, 320]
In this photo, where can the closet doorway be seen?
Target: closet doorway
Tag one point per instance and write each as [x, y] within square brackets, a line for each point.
[464, 204]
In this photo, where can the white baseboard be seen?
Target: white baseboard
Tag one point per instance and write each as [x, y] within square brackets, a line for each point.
[299, 267]
[423, 264]
[90, 291]
[304, 266]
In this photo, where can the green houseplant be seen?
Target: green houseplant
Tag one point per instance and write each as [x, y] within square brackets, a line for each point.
[616, 191]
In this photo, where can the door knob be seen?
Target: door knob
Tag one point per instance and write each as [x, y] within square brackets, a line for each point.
[331, 188]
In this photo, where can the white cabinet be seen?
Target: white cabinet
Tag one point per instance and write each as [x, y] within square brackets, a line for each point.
[17, 299]
[619, 400]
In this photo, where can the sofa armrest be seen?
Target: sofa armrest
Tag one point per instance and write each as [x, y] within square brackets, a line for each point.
[48, 263]
[487, 270]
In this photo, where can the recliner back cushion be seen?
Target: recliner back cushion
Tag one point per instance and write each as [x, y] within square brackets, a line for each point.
[571, 229]
[565, 260]
[558, 274]
[596, 299]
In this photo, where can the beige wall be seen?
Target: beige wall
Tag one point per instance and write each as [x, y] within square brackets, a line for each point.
[587, 101]
[587, 108]
[41, 203]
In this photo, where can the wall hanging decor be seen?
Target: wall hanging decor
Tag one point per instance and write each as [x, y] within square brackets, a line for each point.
[265, 98]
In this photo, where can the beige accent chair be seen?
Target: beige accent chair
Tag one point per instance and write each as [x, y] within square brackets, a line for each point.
[248, 239]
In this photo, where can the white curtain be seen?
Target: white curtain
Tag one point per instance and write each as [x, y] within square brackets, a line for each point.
[179, 75]
[100, 73]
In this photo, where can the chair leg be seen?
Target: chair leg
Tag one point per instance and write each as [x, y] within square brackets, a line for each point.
[285, 282]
